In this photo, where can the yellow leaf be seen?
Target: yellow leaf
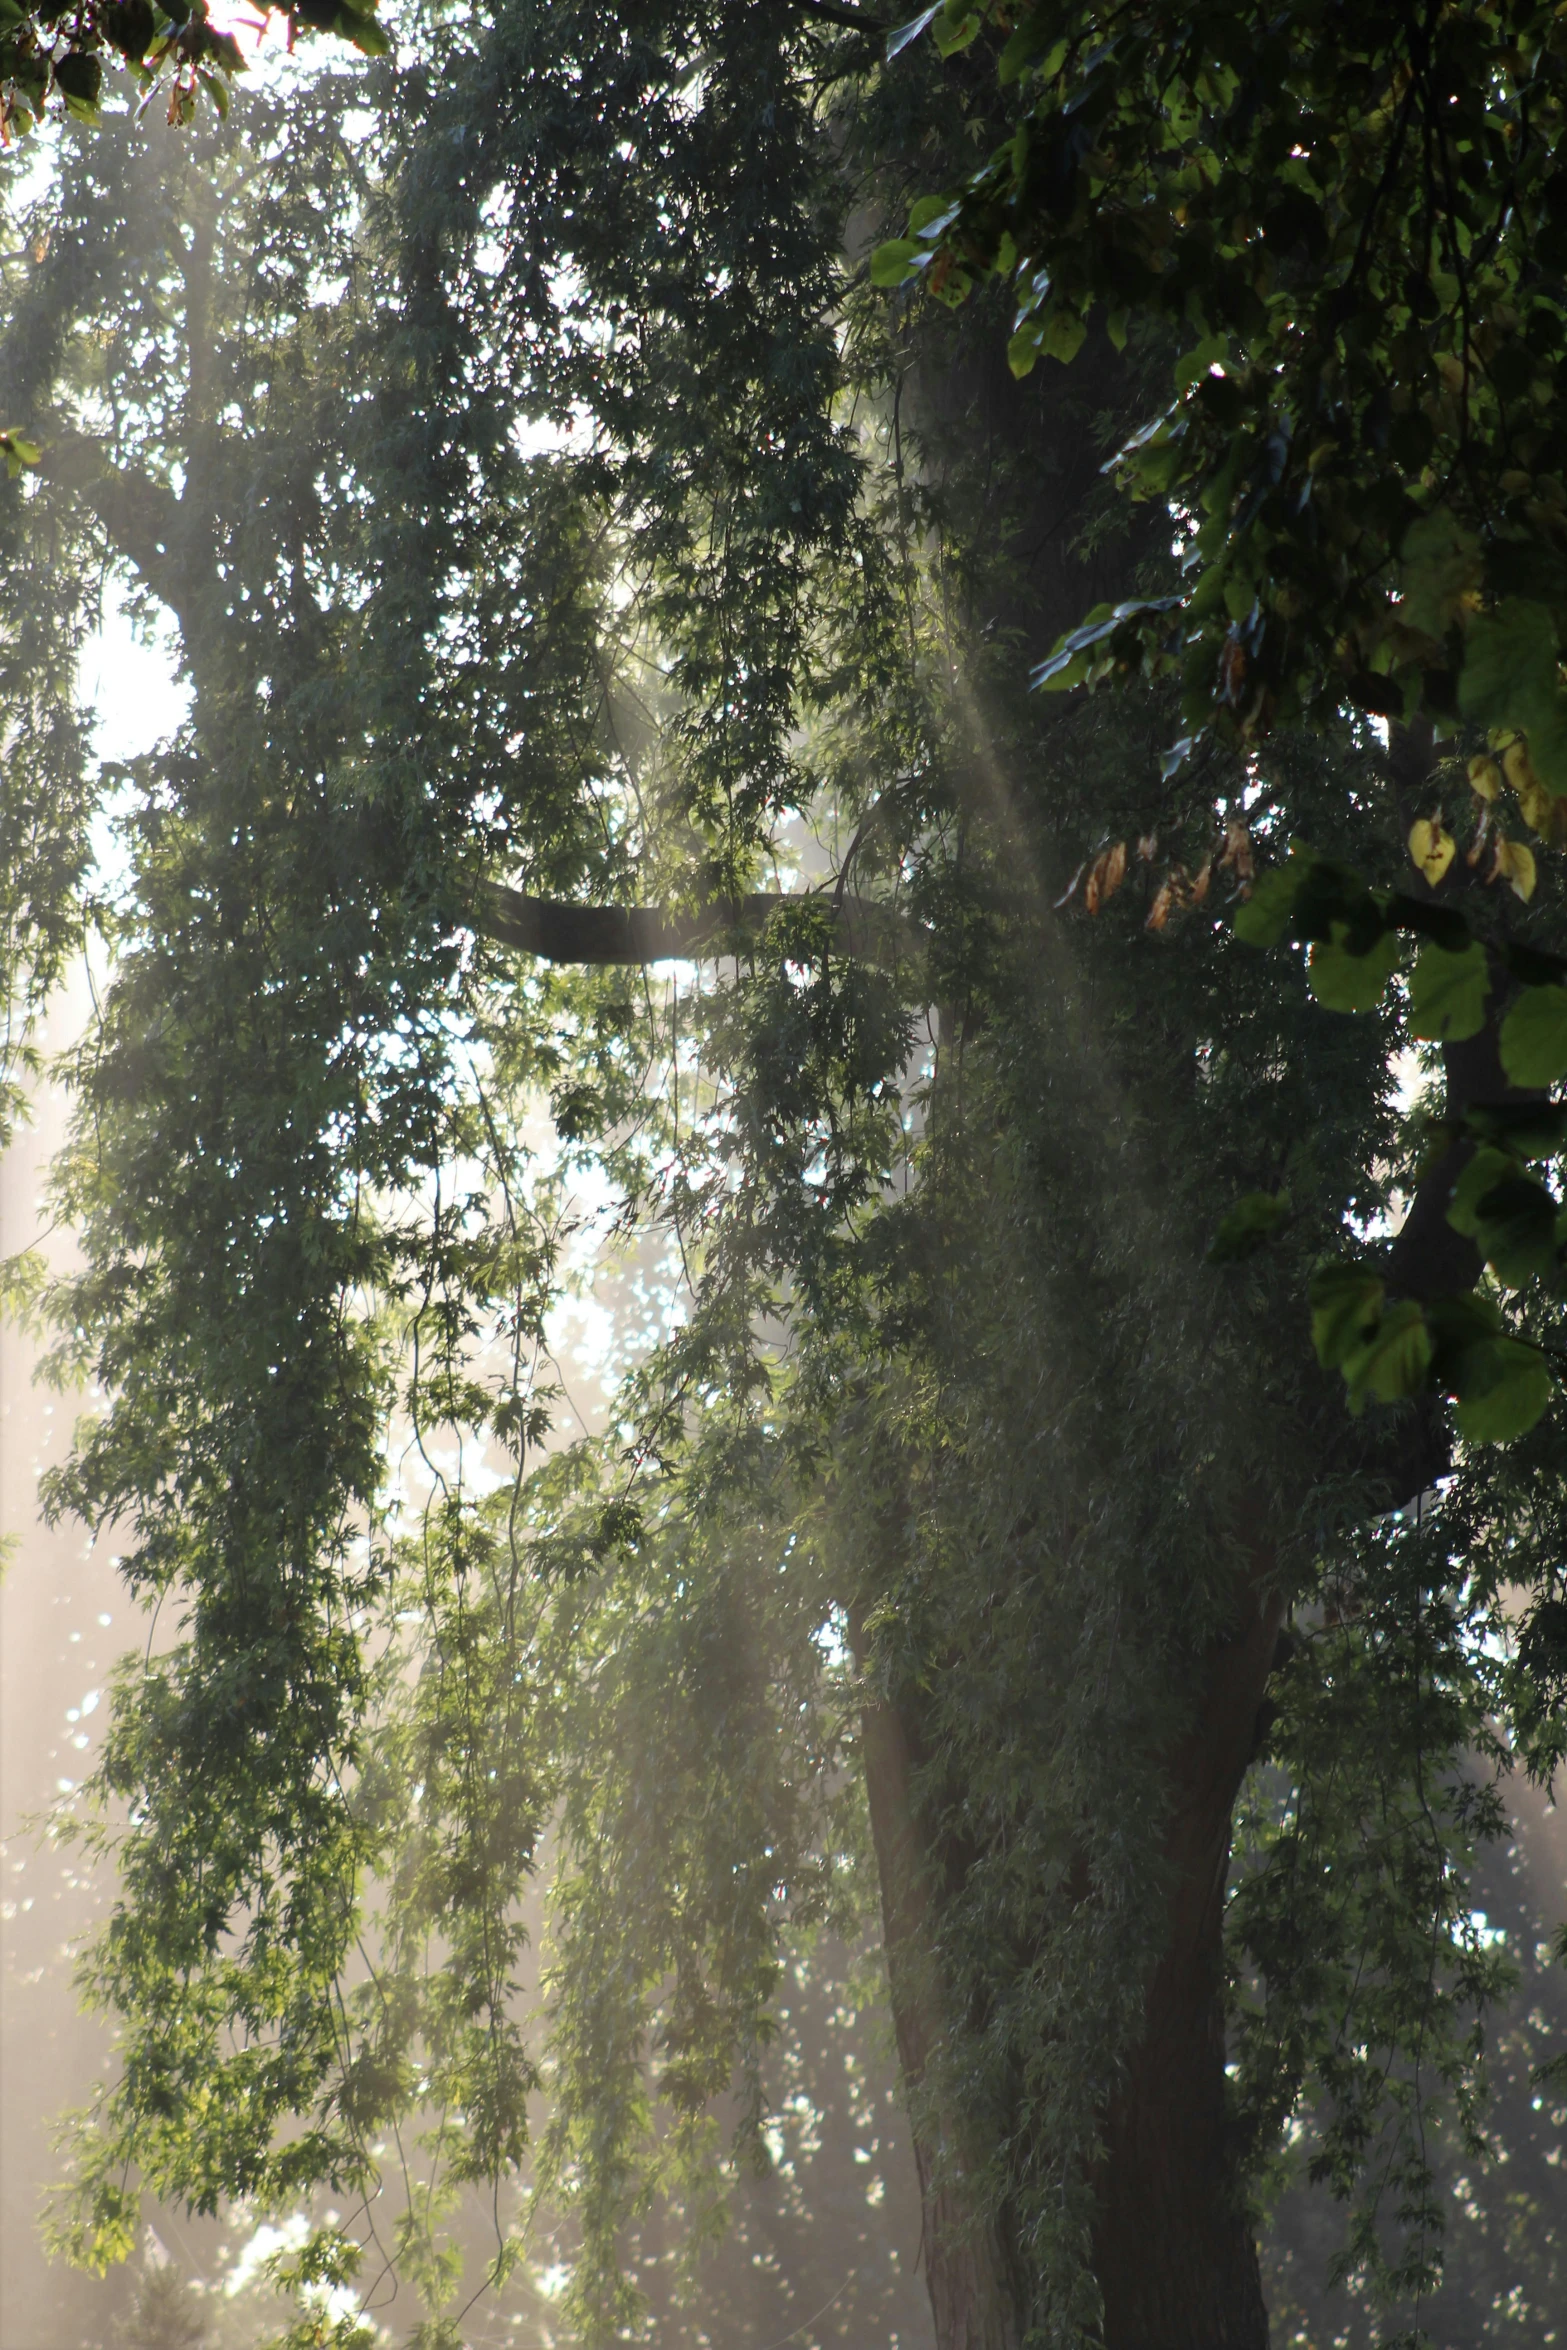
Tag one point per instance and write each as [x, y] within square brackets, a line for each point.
[1537, 807]
[1518, 768]
[1514, 863]
[1432, 848]
[1485, 777]
[1537, 804]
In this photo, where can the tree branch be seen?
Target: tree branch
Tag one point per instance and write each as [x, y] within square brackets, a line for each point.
[560, 932]
[141, 517]
[852, 18]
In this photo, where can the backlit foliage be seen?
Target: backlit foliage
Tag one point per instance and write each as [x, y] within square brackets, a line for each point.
[545, 496]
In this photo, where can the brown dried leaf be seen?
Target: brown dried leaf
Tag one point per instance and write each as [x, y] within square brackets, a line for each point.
[1237, 857]
[1148, 847]
[1105, 877]
[1199, 888]
[1159, 911]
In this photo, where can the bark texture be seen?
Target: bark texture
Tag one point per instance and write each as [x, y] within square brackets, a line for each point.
[973, 2291]
[1173, 2251]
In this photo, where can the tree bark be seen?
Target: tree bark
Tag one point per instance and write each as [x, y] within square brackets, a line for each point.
[1173, 2250]
[973, 2291]
[1174, 2254]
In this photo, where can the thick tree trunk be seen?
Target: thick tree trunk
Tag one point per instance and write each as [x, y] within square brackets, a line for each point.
[973, 2293]
[1173, 2249]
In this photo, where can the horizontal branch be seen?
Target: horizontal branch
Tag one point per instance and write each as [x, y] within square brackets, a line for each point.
[560, 932]
[854, 20]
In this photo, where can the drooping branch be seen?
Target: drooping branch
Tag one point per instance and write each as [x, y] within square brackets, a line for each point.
[560, 932]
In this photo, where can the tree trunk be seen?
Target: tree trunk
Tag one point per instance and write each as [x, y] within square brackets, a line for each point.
[1173, 2248]
[973, 2292]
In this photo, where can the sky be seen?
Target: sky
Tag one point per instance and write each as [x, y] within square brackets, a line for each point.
[130, 684]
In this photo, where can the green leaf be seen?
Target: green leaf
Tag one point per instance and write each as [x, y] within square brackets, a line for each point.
[1346, 1300]
[1066, 664]
[1393, 1360]
[1509, 656]
[1347, 982]
[368, 35]
[78, 76]
[1511, 677]
[1441, 564]
[1023, 350]
[1062, 336]
[1534, 1037]
[1518, 1231]
[1448, 992]
[1023, 48]
[1485, 1171]
[1502, 1387]
[1510, 1215]
[1530, 1130]
[1267, 914]
[1194, 364]
[1253, 1221]
[899, 259]
[955, 32]
[931, 215]
[1458, 1323]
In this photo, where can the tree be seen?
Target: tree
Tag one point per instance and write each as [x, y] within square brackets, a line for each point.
[52, 53]
[1354, 233]
[167, 2314]
[949, 1543]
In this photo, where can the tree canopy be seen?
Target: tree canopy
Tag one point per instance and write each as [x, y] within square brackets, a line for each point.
[1353, 232]
[582, 553]
[53, 59]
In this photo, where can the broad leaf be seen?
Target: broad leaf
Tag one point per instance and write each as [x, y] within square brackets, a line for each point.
[1432, 848]
[1534, 1037]
[1502, 1387]
[1488, 1168]
[1346, 1299]
[1393, 1360]
[1347, 982]
[1448, 992]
